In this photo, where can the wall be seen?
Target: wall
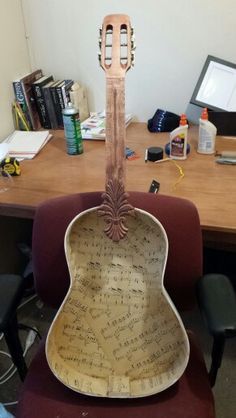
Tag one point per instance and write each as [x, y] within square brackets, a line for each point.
[173, 40]
[14, 59]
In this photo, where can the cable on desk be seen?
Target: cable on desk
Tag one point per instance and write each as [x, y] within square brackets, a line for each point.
[181, 171]
[181, 174]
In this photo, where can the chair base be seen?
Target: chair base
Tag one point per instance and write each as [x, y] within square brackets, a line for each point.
[11, 291]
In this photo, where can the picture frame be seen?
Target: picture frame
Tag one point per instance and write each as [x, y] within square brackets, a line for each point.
[216, 86]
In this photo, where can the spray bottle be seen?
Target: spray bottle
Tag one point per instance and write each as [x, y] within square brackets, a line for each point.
[178, 140]
[207, 134]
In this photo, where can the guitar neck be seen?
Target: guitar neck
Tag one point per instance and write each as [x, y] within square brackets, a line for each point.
[115, 59]
[115, 129]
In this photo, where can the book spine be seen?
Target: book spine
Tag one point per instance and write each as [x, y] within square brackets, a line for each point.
[21, 99]
[41, 106]
[54, 99]
[66, 92]
[50, 107]
[60, 105]
[29, 108]
[56, 106]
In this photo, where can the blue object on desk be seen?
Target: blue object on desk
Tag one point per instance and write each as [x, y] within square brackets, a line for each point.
[163, 121]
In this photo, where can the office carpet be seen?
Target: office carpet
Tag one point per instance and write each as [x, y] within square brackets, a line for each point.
[34, 313]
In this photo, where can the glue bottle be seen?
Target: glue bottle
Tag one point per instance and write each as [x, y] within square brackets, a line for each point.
[178, 140]
[207, 134]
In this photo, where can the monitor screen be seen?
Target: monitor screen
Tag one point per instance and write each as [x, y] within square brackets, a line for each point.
[216, 87]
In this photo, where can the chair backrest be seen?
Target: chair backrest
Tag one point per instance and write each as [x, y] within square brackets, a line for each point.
[178, 216]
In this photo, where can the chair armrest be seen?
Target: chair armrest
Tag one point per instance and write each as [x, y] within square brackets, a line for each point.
[217, 302]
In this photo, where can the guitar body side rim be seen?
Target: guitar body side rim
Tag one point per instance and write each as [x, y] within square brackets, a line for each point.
[113, 393]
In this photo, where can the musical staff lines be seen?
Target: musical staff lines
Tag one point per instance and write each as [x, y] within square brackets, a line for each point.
[116, 333]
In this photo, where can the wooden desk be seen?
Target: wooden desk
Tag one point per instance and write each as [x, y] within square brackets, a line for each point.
[211, 186]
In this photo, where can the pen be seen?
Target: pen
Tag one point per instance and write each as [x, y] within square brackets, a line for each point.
[163, 159]
[146, 155]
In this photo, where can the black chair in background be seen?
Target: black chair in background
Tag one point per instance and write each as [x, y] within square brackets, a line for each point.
[11, 291]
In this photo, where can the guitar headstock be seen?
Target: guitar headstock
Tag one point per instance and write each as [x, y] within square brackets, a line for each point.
[117, 46]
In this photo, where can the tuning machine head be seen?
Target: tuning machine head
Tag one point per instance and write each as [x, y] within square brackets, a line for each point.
[132, 58]
[100, 58]
[100, 42]
[133, 45]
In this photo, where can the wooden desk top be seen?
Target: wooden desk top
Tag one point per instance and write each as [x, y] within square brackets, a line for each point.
[211, 186]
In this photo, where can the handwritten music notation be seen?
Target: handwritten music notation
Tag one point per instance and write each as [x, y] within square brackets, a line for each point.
[117, 333]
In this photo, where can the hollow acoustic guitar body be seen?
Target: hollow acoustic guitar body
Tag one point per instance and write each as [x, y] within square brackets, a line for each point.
[117, 333]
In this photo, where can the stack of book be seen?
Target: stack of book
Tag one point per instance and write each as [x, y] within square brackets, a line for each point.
[40, 99]
[25, 145]
[25, 99]
[95, 126]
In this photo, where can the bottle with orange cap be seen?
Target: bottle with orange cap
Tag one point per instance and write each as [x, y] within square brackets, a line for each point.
[178, 140]
[207, 134]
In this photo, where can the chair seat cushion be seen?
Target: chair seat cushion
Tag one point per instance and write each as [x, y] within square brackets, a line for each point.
[44, 396]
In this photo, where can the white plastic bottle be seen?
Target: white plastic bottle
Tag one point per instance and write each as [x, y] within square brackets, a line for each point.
[207, 135]
[178, 140]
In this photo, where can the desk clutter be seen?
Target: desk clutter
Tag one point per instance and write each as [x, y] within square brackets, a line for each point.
[226, 157]
[24, 145]
[11, 166]
[94, 127]
[178, 147]
[163, 121]
[40, 100]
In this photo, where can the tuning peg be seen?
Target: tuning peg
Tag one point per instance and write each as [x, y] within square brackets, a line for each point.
[132, 59]
[100, 42]
[99, 57]
[132, 31]
[100, 31]
[133, 45]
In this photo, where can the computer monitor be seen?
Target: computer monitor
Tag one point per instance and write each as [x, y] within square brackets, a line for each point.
[216, 86]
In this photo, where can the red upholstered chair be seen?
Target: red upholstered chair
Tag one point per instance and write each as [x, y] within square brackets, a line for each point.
[43, 396]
